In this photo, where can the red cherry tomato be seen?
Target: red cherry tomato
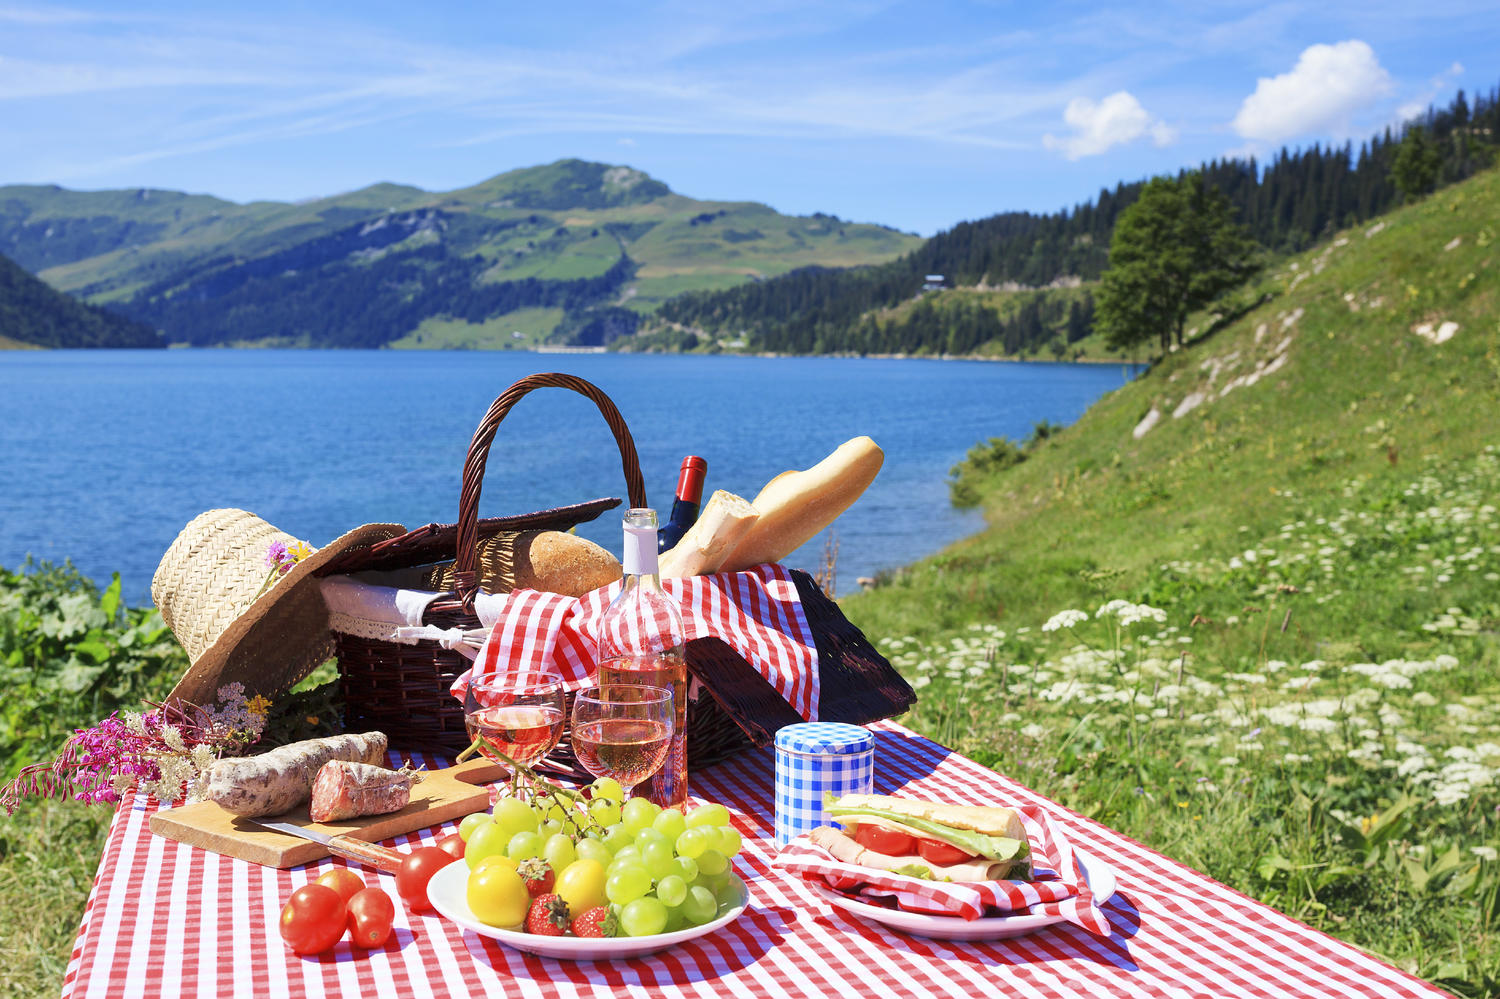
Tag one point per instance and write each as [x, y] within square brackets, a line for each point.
[313, 919]
[891, 842]
[937, 852]
[453, 843]
[343, 881]
[416, 870]
[371, 913]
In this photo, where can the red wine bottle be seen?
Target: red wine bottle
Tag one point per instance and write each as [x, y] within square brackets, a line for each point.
[685, 506]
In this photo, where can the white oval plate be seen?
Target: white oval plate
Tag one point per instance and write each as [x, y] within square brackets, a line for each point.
[1099, 877]
[448, 891]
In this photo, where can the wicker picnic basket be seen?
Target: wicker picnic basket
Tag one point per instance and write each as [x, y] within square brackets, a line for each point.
[403, 690]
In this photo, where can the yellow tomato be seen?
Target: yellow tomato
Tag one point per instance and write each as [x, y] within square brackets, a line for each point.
[497, 895]
[496, 858]
[581, 885]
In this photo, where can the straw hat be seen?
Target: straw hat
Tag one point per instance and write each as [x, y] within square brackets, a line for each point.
[211, 588]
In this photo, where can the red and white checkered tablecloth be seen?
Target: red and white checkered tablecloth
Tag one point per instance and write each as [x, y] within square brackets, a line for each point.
[168, 919]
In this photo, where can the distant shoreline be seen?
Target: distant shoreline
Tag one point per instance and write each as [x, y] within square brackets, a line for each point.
[15, 345]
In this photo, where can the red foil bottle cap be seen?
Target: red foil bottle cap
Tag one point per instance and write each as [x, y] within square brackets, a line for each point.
[690, 480]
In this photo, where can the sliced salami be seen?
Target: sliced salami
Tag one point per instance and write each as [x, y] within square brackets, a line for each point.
[344, 790]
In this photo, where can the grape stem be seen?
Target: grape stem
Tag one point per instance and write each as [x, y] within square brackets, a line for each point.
[536, 786]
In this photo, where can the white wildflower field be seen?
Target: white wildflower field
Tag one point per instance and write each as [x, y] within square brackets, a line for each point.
[1309, 715]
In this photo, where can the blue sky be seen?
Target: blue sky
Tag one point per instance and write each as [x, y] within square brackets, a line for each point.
[916, 115]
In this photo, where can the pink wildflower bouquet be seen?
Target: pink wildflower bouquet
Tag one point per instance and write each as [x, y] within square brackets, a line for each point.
[165, 751]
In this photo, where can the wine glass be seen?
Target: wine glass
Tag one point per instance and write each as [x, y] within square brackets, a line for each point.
[622, 730]
[515, 718]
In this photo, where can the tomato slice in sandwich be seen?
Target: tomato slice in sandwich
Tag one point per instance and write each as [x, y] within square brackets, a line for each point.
[891, 842]
[937, 852]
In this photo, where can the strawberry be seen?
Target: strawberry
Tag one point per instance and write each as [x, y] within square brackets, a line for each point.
[600, 921]
[548, 916]
[537, 874]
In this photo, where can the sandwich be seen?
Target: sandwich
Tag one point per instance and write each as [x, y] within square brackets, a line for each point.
[927, 840]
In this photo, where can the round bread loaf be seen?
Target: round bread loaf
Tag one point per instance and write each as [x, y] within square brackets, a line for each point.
[551, 561]
[562, 563]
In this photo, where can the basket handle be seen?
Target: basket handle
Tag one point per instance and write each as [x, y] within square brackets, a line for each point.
[465, 574]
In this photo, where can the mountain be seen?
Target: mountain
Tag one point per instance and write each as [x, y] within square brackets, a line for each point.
[37, 315]
[1295, 199]
[572, 251]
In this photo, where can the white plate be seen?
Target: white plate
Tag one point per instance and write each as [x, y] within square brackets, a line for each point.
[1099, 877]
[448, 891]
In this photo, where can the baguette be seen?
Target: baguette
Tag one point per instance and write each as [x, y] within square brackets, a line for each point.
[796, 505]
[725, 520]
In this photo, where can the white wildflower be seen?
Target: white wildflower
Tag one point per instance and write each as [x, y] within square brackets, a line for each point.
[1065, 619]
[172, 736]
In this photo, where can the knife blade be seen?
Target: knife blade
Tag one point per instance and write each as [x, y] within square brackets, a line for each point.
[374, 855]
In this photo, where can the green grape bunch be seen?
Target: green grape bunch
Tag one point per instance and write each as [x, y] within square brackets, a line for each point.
[662, 869]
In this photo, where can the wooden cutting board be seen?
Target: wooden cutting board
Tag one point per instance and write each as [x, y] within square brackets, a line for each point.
[441, 795]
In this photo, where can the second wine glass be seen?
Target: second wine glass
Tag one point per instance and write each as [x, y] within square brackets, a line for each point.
[622, 731]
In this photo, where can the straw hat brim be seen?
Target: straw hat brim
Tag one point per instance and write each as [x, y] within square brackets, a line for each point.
[282, 636]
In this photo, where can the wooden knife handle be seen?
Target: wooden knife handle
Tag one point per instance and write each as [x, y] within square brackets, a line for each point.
[382, 858]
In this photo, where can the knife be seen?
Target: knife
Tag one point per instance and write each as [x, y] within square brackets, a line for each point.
[374, 855]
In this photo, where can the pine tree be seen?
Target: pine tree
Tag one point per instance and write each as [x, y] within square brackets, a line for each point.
[1415, 168]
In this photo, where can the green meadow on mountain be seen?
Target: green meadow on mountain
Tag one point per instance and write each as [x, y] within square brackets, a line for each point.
[595, 245]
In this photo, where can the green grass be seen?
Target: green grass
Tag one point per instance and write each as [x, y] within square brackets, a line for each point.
[49, 852]
[1314, 722]
[492, 334]
[654, 287]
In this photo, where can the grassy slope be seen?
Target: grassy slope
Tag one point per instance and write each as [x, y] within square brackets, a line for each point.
[1096, 497]
[493, 334]
[1318, 540]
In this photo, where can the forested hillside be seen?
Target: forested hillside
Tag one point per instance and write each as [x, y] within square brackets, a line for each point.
[33, 314]
[1300, 196]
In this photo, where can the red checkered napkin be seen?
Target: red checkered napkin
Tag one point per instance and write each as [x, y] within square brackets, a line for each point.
[1058, 887]
[757, 612]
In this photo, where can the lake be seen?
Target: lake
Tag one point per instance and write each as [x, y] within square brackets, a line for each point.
[107, 454]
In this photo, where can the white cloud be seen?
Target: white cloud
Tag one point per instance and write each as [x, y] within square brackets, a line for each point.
[1328, 84]
[1097, 126]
